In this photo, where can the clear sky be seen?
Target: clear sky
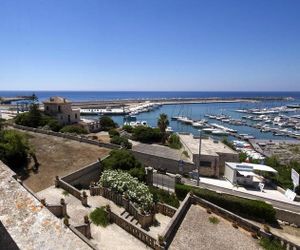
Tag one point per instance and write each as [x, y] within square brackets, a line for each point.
[229, 45]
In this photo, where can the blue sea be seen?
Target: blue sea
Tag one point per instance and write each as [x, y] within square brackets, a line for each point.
[194, 111]
[123, 95]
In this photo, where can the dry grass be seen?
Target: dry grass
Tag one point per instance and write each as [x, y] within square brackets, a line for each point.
[58, 156]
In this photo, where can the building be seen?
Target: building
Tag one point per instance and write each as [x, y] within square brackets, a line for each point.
[214, 154]
[245, 173]
[61, 109]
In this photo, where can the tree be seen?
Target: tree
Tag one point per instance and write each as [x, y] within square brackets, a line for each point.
[33, 118]
[73, 129]
[146, 134]
[174, 141]
[107, 123]
[14, 148]
[162, 124]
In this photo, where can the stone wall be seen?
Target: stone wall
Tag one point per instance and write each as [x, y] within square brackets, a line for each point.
[171, 229]
[84, 176]
[288, 216]
[145, 220]
[157, 162]
[68, 136]
[139, 233]
[165, 209]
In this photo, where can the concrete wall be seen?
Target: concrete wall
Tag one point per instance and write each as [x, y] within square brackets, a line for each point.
[157, 162]
[84, 176]
[288, 216]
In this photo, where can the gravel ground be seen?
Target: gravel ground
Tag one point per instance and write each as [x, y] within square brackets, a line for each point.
[197, 232]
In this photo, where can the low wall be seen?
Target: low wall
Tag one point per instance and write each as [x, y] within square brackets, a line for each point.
[57, 210]
[85, 175]
[145, 220]
[171, 229]
[139, 233]
[165, 209]
[68, 136]
[157, 162]
[69, 188]
[288, 216]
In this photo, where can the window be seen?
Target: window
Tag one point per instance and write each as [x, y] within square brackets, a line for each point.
[69, 118]
[58, 108]
[47, 108]
[205, 164]
[75, 116]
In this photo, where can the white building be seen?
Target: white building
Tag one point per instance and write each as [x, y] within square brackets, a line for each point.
[245, 173]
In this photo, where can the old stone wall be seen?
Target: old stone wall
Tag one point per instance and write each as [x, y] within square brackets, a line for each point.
[157, 162]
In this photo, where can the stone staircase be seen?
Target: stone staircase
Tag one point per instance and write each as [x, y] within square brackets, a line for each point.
[125, 215]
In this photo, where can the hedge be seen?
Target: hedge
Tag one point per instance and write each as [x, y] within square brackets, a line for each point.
[251, 209]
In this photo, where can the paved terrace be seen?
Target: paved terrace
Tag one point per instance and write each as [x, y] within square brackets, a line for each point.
[30, 225]
[196, 232]
[110, 237]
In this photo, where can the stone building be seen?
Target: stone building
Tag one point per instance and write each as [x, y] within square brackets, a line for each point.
[61, 109]
[214, 154]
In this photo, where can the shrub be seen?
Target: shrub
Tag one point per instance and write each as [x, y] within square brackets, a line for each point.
[174, 141]
[99, 217]
[113, 132]
[14, 148]
[163, 196]
[146, 134]
[32, 118]
[271, 244]
[128, 128]
[119, 140]
[123, 182]
[213, 220]
[252, 209]
[185, 153]
[74, 129]
[120, 159]
[139, 173]
[107, 123]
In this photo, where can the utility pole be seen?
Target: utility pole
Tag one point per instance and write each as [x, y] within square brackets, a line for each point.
[198, 167]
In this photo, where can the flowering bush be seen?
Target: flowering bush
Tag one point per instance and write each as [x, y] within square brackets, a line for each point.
[124, 183]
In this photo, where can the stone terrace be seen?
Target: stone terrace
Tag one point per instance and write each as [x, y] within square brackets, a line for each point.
[29, 224]
[197, 232]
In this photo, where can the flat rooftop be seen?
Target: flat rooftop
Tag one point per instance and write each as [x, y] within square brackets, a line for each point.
[208, 147]
[29, 224]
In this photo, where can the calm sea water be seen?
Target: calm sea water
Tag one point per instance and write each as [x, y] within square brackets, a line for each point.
[194, 111]
[116, 95]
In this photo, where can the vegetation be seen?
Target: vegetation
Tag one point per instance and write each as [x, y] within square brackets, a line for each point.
[146, 134]
[213, 220]
[128, 128]
[252, 209]
[174, 141]
[163, 196]
[113, 132]
[32, 118]
[65, 193]
[14, 149]
[228, 143]
[120, 140]
[162, 124]
[124, 160]
[131, 187]
[243, 157]
[73, 129]
[107, 123]
[271, 244]
[185, 153]
[100, 217]
[283, 178]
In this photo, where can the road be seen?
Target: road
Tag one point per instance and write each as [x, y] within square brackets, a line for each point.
[278, 204]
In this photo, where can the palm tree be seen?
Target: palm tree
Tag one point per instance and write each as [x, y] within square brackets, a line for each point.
[163, 123]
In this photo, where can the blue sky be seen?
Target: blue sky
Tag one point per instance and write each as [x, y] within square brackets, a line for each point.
[225, 45]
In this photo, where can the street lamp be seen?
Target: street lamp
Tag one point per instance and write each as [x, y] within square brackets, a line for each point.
[198, 167]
